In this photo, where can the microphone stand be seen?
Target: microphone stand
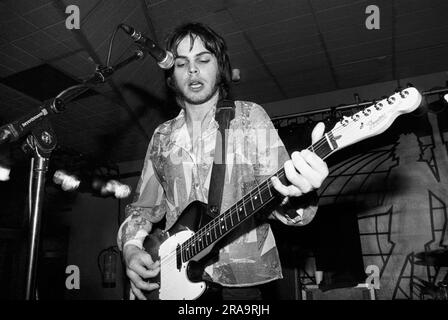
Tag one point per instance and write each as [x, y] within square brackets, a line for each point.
[40, 143]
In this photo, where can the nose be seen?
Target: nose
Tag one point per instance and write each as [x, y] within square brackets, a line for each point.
[193, 69]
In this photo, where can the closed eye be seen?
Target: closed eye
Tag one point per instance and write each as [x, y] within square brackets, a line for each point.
[180, 63]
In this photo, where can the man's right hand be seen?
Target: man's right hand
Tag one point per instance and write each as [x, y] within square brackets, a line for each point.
[140, 266]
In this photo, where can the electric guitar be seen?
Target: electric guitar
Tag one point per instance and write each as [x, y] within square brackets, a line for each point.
[196, 233]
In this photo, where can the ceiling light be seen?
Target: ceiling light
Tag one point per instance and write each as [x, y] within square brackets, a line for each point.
[4, 173]
[67, 181]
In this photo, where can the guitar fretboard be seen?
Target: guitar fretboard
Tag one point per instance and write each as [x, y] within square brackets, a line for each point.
[247, 206]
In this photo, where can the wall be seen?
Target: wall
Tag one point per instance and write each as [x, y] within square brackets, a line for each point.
[93, 223]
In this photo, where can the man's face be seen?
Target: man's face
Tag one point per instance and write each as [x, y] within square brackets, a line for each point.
[195, 71]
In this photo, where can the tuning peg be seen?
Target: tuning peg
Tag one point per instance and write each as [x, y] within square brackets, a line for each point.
[355, 117]
[390, 100]
[377, 105]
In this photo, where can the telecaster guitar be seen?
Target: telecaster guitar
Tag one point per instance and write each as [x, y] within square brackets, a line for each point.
[179, 277]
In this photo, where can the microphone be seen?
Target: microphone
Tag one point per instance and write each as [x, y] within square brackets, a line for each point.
[165, 59]
[17, 129]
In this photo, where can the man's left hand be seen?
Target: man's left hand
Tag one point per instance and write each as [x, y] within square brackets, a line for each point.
[305, 171]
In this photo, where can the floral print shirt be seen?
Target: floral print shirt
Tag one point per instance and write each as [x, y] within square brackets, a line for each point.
[176, 173]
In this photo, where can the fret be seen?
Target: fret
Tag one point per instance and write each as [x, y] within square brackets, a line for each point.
[247, 202]
[202, 241]
[311, 148]
[251, 200]
[218, 228]
[208, 234]
[183, 253]
[231, 219]
[199, 242]
[192, 249]
[243, 206]
[259, 193]
[214, 229]
[228, 218]
[221, 225]
[222, 219]
[187, 253]
[185, 250]
[256, 201]
[331, 139]
[239, 210]
[268, 183]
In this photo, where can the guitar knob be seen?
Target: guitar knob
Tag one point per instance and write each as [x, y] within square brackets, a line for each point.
[367, 111]
[214, 210]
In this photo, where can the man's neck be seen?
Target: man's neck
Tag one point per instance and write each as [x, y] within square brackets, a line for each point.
[196, 113]
[198, 117]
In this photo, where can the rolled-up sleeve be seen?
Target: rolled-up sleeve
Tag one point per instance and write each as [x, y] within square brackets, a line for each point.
[149, 205]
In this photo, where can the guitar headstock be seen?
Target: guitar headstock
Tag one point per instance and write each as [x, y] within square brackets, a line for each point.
[376, 118]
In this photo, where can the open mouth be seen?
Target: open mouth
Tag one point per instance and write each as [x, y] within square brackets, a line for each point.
[195, 85]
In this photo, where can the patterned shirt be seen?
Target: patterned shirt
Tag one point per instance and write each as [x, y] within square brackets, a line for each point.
[173, 176]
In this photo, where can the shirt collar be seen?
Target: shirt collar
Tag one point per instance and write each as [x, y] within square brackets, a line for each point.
[178, 132]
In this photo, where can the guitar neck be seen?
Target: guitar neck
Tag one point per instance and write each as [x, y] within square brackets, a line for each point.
[254, 201]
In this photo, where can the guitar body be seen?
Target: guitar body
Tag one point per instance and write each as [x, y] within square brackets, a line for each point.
[180, 280]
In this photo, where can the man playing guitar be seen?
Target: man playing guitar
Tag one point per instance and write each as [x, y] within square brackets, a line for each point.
[177, 170]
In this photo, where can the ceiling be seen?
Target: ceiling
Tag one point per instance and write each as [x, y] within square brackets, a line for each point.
[284, 49]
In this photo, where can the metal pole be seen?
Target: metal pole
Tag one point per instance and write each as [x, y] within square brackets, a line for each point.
[40, 169]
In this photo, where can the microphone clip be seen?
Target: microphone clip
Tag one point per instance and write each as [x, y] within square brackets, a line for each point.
[102, 73]
[42, 139]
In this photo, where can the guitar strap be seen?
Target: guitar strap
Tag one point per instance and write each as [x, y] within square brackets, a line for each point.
[225, 112]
